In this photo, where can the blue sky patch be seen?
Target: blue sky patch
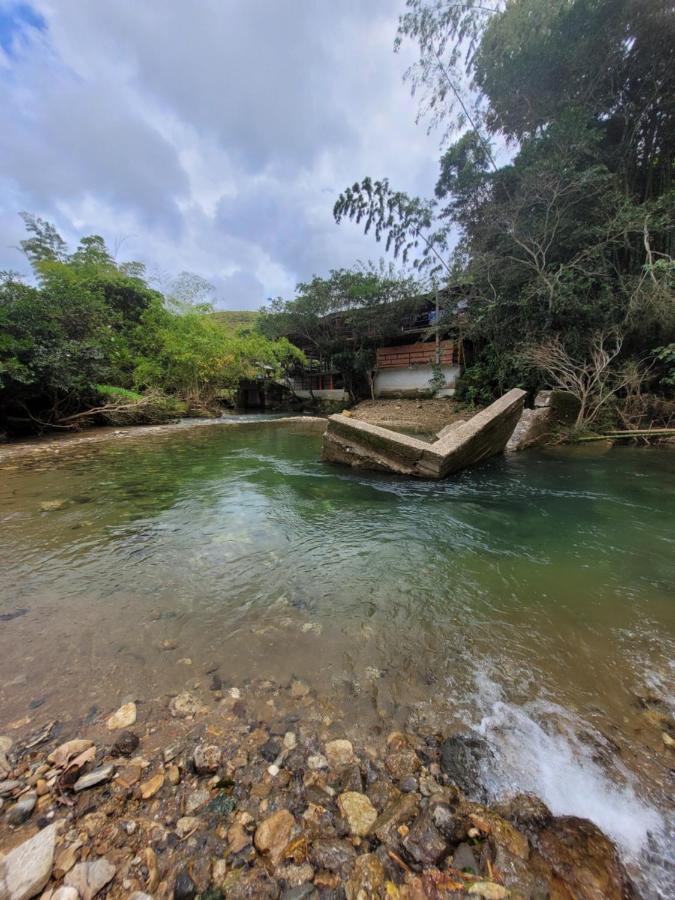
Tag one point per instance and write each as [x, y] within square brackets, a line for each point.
[14, 17]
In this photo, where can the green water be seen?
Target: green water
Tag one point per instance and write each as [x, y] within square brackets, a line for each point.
[531, 597]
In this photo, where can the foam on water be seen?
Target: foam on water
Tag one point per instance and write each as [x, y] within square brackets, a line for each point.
[541, 748]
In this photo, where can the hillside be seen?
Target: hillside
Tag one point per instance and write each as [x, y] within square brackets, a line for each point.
[233, 319]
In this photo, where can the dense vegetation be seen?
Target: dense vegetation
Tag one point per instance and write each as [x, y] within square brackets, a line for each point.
[93, 341]
[568, 246]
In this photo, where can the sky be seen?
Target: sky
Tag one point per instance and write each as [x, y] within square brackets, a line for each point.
[212, 136]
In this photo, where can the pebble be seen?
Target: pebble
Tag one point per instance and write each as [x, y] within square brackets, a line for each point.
[196, 799]
[186, 824]
[65, 752]
[339, 753]
[173, 774]
[90, 877]
[317, 762]
[358, 811]
[65, 892]
[123, 718]
[184, 887]
[185, 704]
[299, 689]
[206, 759]
[26, 869]
[97, 776]
[273, 835]
[22, 809]
[125, 744]
[150, 787]
[8, 787]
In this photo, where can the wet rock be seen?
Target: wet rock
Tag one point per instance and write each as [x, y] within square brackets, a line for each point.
[195, 800]
[150, 787]
[303, 892]
[584, 860]
[316, 762]
[90, 877]
[382, 792]
[206, 759]
[348, 778]
[52, 505]
[339, 753]
[270, 750]
[252, 884]
[97, 776]
[184, 887]
[401, 760]
[26, 869]
[409, 784]
[397, 813]
[502, 834]
[22, 810]
[125, 717]
[173, 774]
[186, 825]
[274, 834]
[298, 689]
[526, 812]
[424, 842]
[184, 705]
[461, 759]
[358, 812]
[295, 876]
[239, 833]
[333, 855]
[465, 860]
[125, 744]
[367, 878]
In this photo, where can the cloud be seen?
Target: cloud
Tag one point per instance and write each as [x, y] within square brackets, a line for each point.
[213, 137]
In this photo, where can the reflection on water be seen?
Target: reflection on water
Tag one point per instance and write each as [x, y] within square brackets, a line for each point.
[548, 576]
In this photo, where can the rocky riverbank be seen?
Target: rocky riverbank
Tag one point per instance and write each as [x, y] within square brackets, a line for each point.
[264, 792]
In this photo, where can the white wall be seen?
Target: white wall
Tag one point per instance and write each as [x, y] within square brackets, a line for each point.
[390, 382]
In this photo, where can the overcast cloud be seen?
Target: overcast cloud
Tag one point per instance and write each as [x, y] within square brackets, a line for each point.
[212, 136]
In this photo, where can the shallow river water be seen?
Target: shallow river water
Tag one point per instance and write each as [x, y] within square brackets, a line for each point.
[531, 598]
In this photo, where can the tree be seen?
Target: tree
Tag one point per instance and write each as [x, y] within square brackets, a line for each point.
[574, 234]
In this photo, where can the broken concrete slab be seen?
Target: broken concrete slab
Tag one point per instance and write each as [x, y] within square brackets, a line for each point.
[361, 445]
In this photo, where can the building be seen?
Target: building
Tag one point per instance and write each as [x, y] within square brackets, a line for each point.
[403, 367]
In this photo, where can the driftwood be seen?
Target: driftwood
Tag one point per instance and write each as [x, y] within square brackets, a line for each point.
[634, 433]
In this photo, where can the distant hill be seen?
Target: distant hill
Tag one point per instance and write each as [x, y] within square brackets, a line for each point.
[233, 319]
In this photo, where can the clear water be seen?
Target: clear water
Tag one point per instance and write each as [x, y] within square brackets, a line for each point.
[531, 598]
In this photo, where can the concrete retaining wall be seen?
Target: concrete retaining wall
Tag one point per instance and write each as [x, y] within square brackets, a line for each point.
[411, 382]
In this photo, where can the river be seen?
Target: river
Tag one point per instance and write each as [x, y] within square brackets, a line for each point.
[530, 598]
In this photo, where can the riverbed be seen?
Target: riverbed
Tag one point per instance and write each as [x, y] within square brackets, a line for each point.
[530, 598]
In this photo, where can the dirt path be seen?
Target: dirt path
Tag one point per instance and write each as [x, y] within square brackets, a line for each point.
[416, 416]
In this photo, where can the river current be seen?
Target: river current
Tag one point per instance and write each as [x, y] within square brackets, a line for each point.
[531, 599]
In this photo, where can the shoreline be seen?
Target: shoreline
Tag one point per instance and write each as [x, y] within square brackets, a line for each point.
[49, 444]
[263, 791]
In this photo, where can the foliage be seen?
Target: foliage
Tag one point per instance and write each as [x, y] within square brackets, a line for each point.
[572, 236]
[340, 319]
[93, 341]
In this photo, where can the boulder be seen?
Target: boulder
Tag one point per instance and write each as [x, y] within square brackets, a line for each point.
[462, 756]
[583, 860]
[424, 842]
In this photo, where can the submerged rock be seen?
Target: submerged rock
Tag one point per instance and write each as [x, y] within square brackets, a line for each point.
[125, 744]
[184, 705]
[206, 759]
[462, 756]
[26, 869]
[123, 718]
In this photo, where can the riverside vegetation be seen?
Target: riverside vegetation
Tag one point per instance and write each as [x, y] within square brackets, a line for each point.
[93, 341]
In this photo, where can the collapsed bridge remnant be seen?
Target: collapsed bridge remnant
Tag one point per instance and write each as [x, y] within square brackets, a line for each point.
[458, 446]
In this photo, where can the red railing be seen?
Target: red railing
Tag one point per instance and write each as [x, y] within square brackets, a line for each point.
[414, 355]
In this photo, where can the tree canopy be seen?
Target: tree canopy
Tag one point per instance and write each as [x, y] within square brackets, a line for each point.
[92, 328]
[573, 235]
